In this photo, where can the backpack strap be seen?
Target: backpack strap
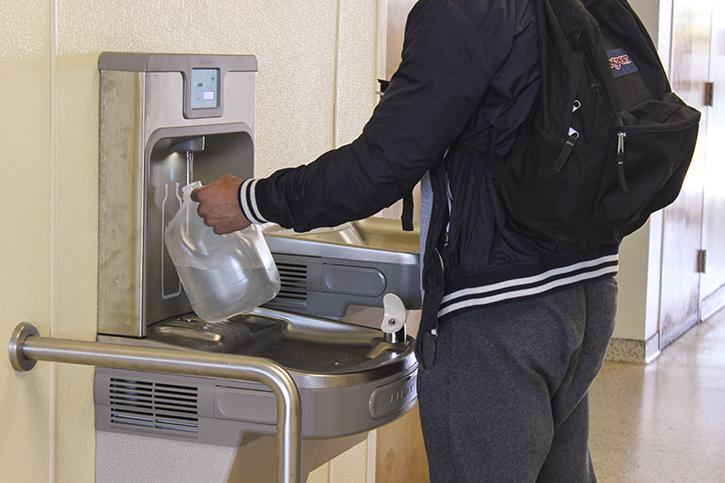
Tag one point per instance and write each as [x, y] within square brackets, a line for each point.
[407, 217]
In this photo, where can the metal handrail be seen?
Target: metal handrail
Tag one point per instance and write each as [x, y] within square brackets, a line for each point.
[26, 347]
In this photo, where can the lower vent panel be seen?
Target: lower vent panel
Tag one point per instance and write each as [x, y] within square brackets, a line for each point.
[293, 291]
[154, 406]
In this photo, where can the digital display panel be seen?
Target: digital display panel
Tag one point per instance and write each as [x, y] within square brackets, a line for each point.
[204, 88]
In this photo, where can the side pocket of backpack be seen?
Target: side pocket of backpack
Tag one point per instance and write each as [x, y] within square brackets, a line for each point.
[650, 152]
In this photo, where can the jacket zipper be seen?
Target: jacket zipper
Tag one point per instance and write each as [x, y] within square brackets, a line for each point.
[446, 237]
[621, 136]
[449, 202]
[440, 259]
[446, 234]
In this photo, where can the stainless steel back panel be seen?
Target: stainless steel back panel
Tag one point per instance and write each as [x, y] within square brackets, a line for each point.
[121, 193]
[140, 181]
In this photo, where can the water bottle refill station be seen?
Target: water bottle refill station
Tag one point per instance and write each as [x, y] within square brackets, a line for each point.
[169, 120]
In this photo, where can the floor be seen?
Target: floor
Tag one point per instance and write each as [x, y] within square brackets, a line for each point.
[664, 422]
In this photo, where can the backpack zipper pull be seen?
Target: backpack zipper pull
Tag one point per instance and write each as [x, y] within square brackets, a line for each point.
[570, 142]
[566, 151]
[620, 162]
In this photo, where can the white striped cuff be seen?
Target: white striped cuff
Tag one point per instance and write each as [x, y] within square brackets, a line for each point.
[248, 202]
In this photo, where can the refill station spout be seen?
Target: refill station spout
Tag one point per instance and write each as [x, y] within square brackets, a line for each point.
[190, 146]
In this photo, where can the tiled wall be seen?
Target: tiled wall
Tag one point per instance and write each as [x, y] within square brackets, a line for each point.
[315, 89]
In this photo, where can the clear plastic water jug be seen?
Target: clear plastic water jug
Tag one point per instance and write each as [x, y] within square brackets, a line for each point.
[223, 275]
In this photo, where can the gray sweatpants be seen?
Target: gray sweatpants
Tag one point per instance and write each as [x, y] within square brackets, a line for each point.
[504, 396]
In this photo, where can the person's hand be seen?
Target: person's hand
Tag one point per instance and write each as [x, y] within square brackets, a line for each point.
[219, 205]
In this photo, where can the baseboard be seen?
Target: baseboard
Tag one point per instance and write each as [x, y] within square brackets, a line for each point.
[634, 351]
[711, 304]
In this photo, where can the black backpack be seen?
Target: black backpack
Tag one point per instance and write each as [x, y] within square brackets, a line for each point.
[608, 142]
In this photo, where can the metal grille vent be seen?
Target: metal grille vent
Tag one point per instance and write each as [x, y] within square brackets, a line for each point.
[156, 406]
[294, 285]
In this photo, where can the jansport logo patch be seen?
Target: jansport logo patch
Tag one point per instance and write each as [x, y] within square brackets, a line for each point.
[620, 63]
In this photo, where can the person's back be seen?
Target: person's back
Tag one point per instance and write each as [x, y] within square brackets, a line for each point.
[513, 329]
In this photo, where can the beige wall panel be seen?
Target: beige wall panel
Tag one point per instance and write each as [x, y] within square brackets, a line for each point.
[25, 235]
[632, 280]
[76, 201]
[649, 12]
[351, 466]
[356, 68]
[320, 475]
[401, 453]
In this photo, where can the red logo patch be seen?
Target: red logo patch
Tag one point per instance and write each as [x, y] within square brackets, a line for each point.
[616, 63]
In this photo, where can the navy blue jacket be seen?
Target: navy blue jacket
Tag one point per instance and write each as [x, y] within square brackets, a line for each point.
[466, 87]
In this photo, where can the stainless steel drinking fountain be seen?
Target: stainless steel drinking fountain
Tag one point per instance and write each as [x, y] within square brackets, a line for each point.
[167, 120]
